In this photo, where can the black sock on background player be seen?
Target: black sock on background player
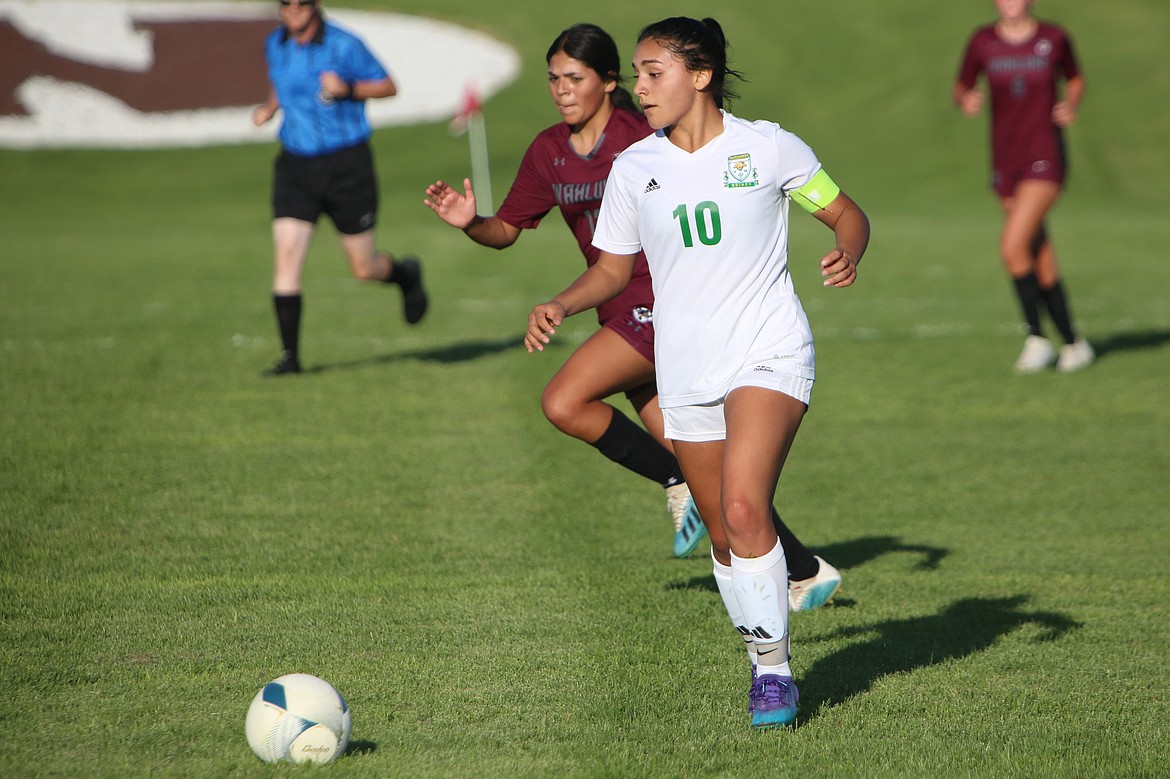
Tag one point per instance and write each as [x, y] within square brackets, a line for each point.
[288, 320]
[631, 447]
[801, 563]
[1057, 305]
[1028, 291]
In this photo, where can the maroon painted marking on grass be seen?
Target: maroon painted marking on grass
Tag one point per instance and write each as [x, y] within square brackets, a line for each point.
[196, 65]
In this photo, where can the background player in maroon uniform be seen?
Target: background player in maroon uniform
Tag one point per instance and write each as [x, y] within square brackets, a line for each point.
[1022, 58]
[566, 166]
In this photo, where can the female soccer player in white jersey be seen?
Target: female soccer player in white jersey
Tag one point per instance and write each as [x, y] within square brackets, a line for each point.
[706, 198]
[566, 167]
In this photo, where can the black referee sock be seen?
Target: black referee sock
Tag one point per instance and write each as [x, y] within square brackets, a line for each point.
[1028, 291]
[633, 448]
[801, 563]
[1057, 305]
[288, 319]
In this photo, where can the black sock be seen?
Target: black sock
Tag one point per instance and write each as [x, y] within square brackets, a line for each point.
[1028, 291]
[632, 447]
[1057, 305]
[801, 563]
[288, 319]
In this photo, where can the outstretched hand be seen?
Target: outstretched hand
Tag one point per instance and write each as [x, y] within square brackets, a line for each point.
[542, 325]
[838, 268]
[454, 208]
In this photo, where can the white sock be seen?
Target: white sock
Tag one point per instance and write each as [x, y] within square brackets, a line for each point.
[760, 585]
[731, 603]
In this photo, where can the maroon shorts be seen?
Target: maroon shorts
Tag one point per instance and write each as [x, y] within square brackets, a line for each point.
[1006, 176]
[637, 328]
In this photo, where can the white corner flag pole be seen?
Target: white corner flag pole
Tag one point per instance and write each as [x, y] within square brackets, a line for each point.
[469, 119]
[480, 169]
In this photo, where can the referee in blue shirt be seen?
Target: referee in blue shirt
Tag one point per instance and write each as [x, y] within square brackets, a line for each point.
[321, 75]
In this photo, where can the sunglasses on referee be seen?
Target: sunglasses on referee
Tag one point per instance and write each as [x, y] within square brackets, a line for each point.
[298, 3]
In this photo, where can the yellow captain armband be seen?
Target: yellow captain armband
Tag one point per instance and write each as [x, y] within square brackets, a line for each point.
[817, 193]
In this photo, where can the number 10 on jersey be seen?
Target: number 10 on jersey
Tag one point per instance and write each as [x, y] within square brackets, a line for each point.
[707, 223]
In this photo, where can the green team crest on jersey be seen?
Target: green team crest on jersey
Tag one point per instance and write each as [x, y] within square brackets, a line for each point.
[740, 172]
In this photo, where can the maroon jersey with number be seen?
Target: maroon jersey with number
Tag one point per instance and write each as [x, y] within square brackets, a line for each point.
[553, 174]
[1021, 78]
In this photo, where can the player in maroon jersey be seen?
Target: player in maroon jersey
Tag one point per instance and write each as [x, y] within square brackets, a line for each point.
[566, 166]
[1021, 59]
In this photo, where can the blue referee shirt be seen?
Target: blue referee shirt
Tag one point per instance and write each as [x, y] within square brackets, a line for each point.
[314, 125]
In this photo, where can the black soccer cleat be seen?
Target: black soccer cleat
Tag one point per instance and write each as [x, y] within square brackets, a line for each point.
[288, 363]
[408, 276]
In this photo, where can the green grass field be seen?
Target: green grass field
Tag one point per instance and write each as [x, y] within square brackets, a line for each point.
[495, 599]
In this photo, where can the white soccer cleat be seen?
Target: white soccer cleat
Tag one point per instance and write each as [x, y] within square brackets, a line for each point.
[808, 594]
[1079, 354]
[1037, 355]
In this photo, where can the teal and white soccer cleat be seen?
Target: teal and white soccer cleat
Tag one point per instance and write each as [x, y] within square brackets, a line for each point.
[813, 593]
[688, 525]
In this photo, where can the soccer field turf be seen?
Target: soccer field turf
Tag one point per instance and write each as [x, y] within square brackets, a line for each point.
[495, 599]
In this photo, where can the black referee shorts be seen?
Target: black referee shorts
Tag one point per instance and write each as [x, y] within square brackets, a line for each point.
[340, 184]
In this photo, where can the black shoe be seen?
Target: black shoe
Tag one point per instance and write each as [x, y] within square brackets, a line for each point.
[408, 275]
[287, 363]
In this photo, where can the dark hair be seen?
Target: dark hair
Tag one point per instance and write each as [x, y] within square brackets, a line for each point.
[592, 45]
[699, 45]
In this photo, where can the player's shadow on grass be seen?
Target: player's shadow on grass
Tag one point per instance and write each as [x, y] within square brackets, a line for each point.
[859, 551]
[846, 555]
[451, 353]
[466, 351]
[962, 629]
[1129, 342]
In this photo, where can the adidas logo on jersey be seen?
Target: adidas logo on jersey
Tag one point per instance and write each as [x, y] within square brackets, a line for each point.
[653, 185]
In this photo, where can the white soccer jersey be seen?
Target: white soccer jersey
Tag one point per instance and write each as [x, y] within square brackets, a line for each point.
[714, 226]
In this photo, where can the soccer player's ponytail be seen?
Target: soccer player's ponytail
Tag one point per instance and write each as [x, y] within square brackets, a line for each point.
[621, 98]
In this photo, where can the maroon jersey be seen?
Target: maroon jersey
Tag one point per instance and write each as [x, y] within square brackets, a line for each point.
[1021, 78]
[553, 174]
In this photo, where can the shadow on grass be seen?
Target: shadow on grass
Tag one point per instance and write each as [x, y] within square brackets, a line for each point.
[962, 629]
[473, 350]
[463, 352]
[361, 748]
[1130, 342]
[851, 554]
[844, 555]
[452, 353]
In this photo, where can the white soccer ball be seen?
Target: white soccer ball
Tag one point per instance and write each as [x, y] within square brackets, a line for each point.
[298, 718]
